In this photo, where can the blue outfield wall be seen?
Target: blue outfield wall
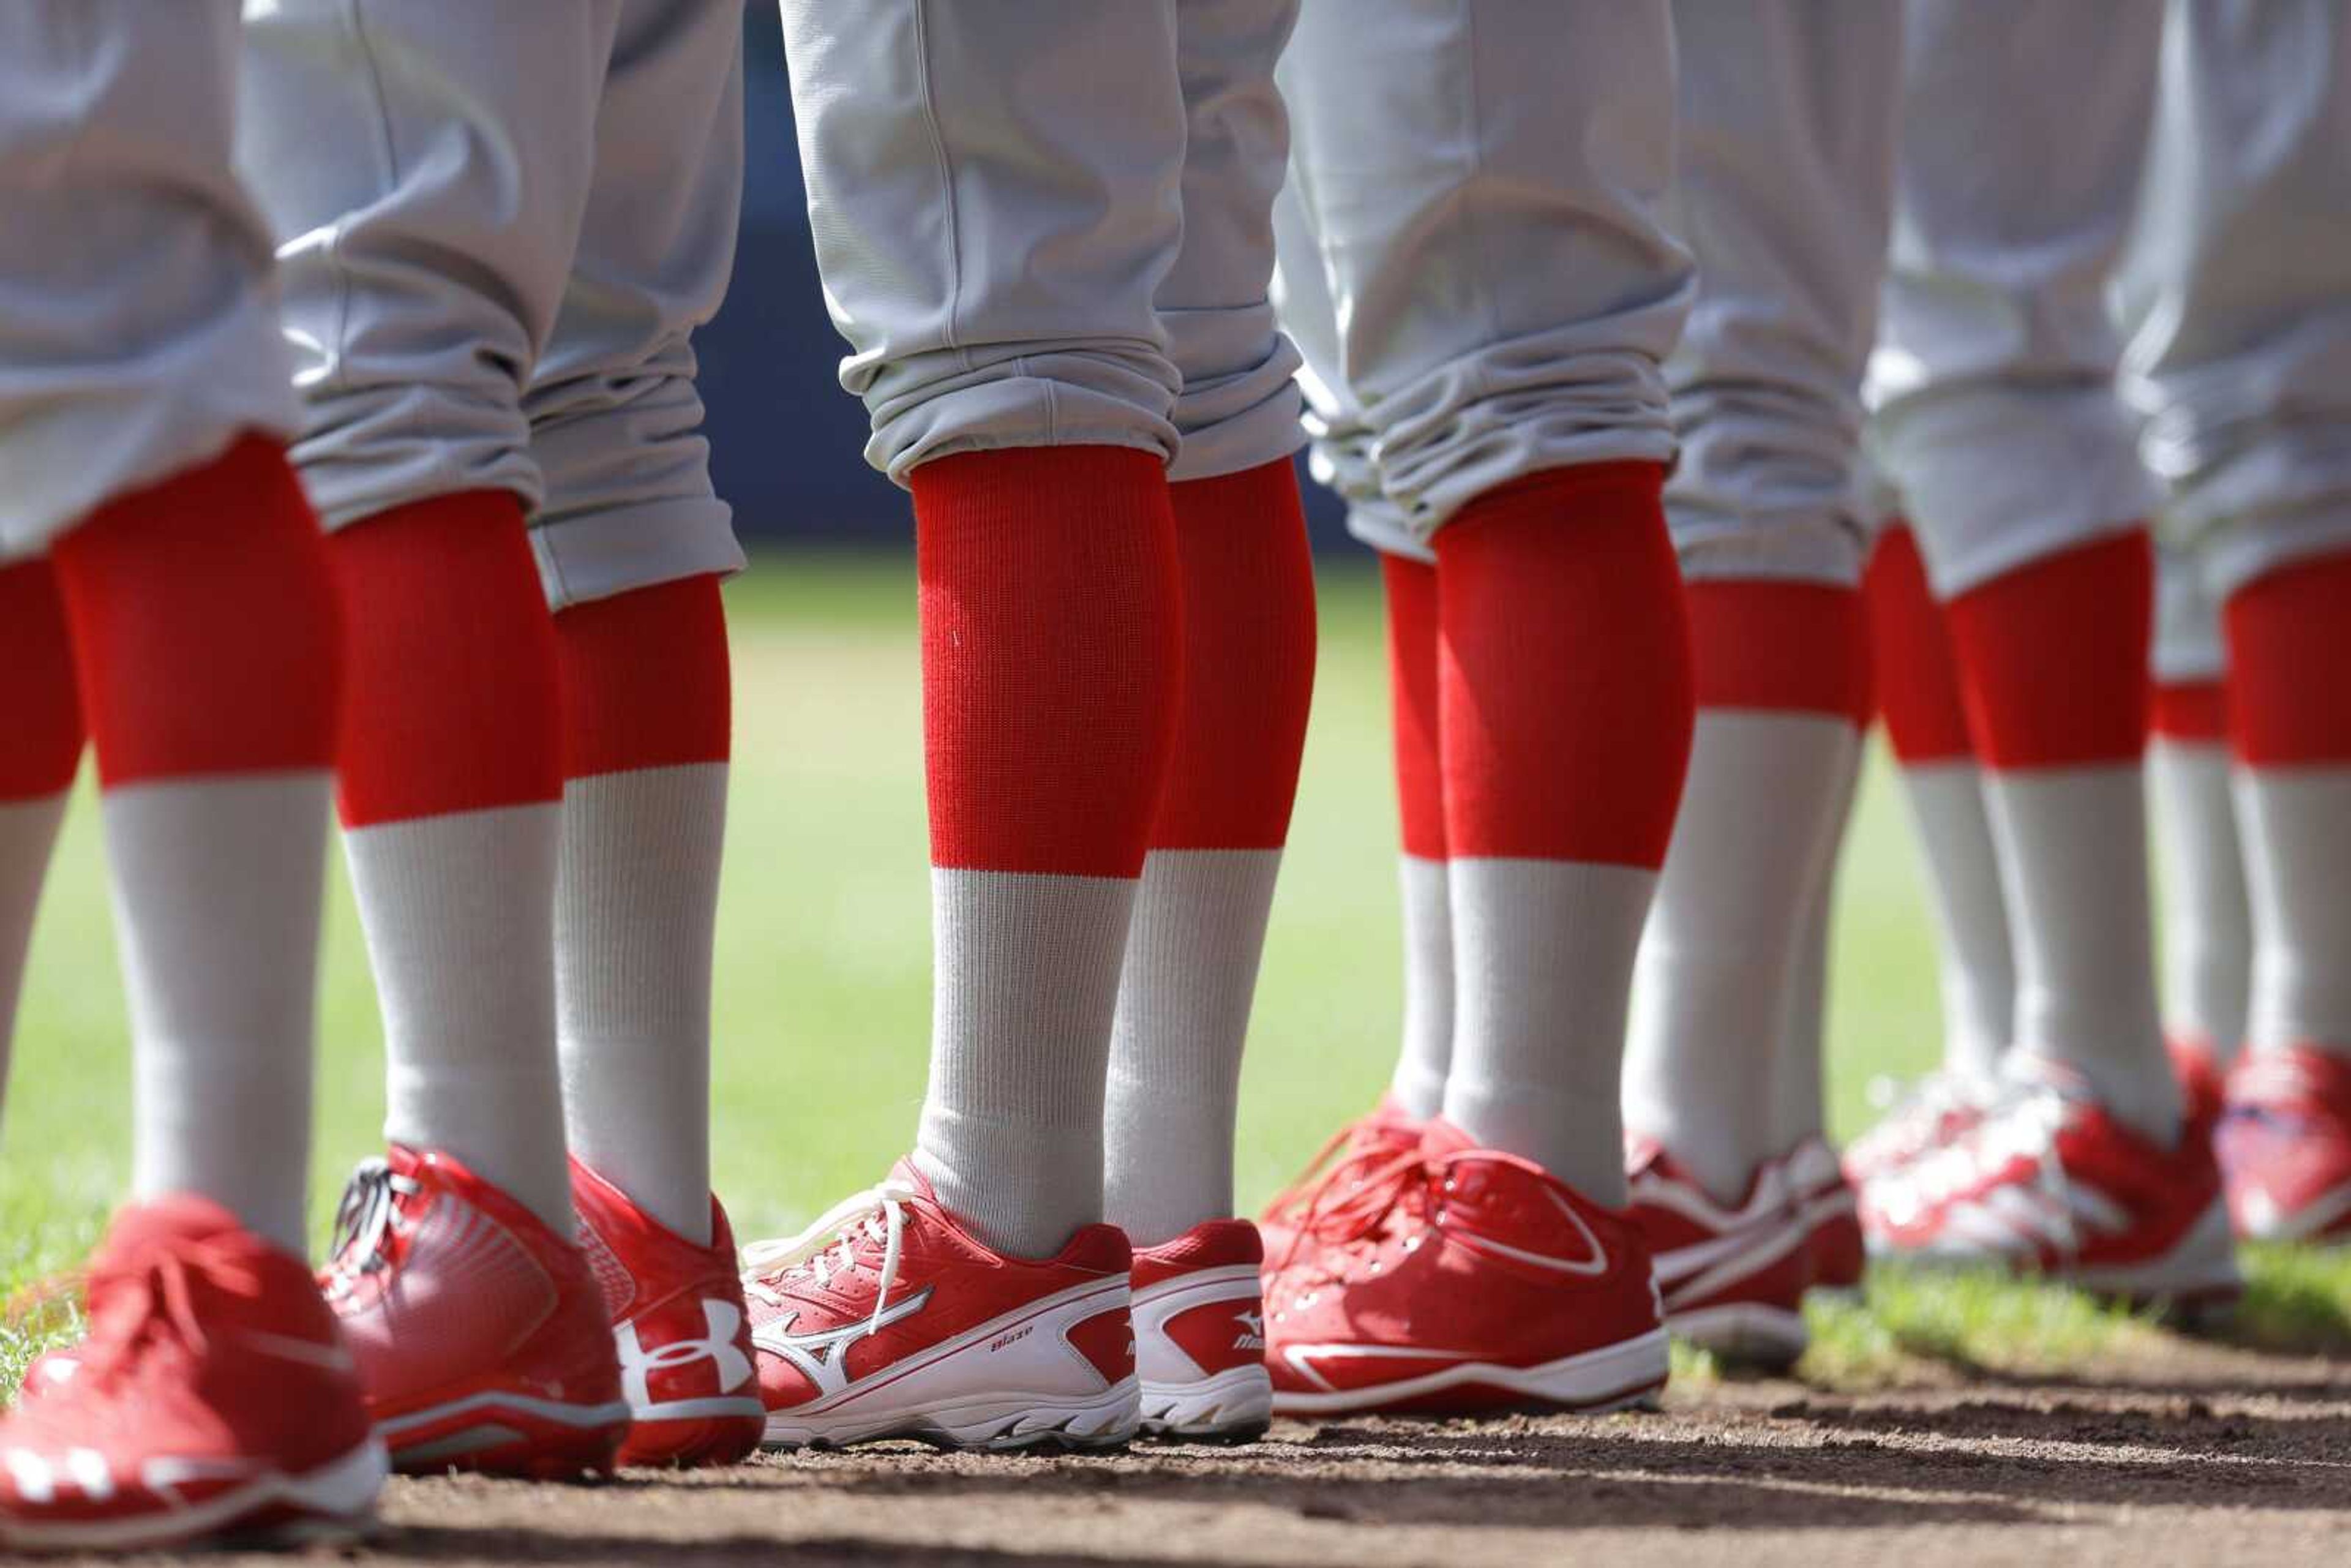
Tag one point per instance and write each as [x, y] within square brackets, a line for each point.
[786, 441]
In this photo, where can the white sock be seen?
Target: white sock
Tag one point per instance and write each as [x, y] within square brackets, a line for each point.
[217, 887]
[636, 899]
[2207, 926]
[2072, 843]
[1026, 981]
[1192, 956]
[1800, 1081]
[460, 915]
[28, 831]
[1542, 955]
[1974, 961]
[2297, 831]
[1421, 1066]
[1711, 990]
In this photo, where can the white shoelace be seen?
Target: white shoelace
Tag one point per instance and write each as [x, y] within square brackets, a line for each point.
[830, 1246]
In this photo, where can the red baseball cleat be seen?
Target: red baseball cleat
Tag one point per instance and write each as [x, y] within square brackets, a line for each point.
[1199, 1335]
[1937, 1112]
[2203, 1083]
[680, 1328]
[1832, 1215]
[1364, 1146]
[1460, 1278]
[2286, 1144]
[2052, 1184]
[1732, 1277]
[212, 1395]
[887, 1319]
[481, 1335]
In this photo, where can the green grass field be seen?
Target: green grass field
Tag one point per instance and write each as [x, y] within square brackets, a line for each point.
[822, 984]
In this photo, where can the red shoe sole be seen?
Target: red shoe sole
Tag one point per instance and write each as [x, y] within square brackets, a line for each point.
[695, 1442]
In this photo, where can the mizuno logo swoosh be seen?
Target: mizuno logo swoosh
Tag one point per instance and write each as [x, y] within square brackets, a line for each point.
[822, 1358]
[1595, 1262]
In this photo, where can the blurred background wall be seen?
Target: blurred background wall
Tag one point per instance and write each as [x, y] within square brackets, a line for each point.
[786, 441]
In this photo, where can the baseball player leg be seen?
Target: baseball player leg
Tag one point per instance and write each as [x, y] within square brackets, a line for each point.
[1789, 227]
[2242, 361]
[139, 433]
[421, 286]
[1917, 679]
[37, 762]
[1999, 423]
[2207, 933]
[630, 543]
[1248, 595]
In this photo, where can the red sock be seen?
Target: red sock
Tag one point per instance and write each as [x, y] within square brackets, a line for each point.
[645, 679]
[1051, 637]
[41, 744]
[1412, 695]
[203, 624]
[451, 660]
[2194, 712]
[2289, 645]
[1916, 672]
[1565, 670]
[1784, 647]
[1248, 594]
[2053, 656]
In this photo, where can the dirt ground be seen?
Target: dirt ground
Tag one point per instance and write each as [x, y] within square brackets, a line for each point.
[2203, 1456]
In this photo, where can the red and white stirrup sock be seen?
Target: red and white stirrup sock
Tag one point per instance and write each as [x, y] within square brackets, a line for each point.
[1192, 954]
[1780, 670]
[2208, 942]
[2052, 660]
[204, 629]
[1916, 677]
[1427, 1053]
[2289, 642]
[1051, 641]
[1564, 699]
[647, 723]
[40, 749]
[451, 780]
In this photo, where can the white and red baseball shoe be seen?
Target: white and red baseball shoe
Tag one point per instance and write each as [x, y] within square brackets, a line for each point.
[1733, 1276]
[212, 1395]
[2286, 1145]
[1364, 1145]
[680, 1328]
[1199, 1335]
[1831, 1211]
[2052, 1184]
[1461, 1279]
[481, 1335]
[887, 1319]
[1936, 1113]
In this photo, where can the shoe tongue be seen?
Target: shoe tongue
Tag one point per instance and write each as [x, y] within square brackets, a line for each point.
[1440, 1139]
[174, 1220]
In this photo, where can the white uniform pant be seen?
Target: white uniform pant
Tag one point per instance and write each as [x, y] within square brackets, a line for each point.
[138, 336]
[1484, 185]
[1047, 223]
[1788, 116]
[2026, 127]
[498, 226]
[2240, 288]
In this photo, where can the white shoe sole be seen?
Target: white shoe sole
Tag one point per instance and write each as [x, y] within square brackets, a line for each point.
[1015, 1382]
[1179, 1398]
[1745, 1333]
[1234, 1406]
[337, 1501]
[2202, 1272]
[2266, 1222]
[1609, 1379]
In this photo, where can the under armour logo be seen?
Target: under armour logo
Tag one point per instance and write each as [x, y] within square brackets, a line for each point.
[723, 1320]
[1252, 1335]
